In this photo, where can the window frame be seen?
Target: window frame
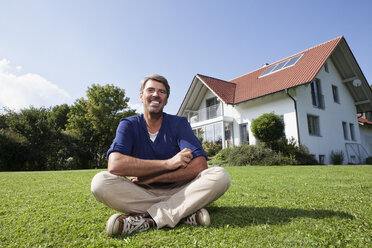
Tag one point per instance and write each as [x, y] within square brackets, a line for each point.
[313, 124]
[345, 130]
[317, 97]
[336, 95]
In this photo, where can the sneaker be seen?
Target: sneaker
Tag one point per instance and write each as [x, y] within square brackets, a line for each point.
[199, 218]
[119, 224]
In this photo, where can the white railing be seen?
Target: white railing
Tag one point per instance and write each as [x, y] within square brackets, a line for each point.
[205, 114]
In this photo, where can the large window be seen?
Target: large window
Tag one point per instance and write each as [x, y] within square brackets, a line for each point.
[211, 133]
[244, 133]
[316, 94]
[212, 107]
[313, 125]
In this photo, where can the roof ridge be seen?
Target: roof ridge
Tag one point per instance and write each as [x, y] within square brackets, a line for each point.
[215, 78]
[288, 57]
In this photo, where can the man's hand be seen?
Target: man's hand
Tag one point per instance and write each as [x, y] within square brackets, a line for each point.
[181, 159]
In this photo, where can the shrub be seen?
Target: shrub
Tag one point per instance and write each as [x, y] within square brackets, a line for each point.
[251, 155]
[290, 149]
[337, 157]
[268, 127]
[369, 160]
[211, 148]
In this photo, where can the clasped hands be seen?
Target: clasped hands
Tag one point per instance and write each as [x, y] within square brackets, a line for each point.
[180, 160]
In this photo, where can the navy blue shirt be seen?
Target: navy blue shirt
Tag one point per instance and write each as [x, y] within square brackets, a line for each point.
[175, 134]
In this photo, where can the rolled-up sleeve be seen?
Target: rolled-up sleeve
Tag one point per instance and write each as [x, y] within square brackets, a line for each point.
[123, 141]
[187, 139]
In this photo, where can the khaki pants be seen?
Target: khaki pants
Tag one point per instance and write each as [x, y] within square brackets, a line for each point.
[167, 205]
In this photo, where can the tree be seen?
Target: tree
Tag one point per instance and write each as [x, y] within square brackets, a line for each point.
[93, 122]
[269, 127]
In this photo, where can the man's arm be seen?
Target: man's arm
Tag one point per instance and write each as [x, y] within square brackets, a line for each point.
[182, 174]
[124, 165]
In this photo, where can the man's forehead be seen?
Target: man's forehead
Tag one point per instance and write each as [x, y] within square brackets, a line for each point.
[154, 84]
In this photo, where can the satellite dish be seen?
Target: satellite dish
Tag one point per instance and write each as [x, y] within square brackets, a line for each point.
[357, 82]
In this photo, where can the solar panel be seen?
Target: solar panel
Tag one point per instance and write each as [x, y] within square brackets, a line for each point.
[281, 65]
[268, 70]
[293, 60]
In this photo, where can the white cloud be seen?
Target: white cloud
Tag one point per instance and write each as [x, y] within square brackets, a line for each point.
[21, 91]
[136, 106]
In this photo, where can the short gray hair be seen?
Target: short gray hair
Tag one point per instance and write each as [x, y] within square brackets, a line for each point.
[158, 78]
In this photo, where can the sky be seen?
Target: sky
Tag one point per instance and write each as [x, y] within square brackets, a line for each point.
[52, 51]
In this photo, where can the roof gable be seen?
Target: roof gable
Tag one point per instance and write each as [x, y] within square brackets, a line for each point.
[251, 85]
[254, 85]
[222, 89]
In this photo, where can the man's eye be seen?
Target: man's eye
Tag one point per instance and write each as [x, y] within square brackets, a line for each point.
[163, 91]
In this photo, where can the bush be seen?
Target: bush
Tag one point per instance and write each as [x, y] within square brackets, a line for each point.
[211, 148]
[268, 127]
[251, 155]
[369, 160]
[290, 149]
[337, 157]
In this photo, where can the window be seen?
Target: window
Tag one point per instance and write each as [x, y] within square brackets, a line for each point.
[228, 134]
[326, 66]
[344, 128]
[244, 133]
[316, 94]
[281, 65]
[352, 132]
[313, 125]
[210, 133]
[335, 94]
[212, 107]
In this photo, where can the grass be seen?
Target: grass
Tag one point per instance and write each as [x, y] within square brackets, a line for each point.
[289, 206]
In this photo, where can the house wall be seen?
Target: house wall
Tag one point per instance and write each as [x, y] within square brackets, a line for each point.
[366, 138]
[279, 103]
[330, 118]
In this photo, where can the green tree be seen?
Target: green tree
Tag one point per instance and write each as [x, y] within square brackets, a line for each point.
[32, 130]
[268, 128]
[93, 122]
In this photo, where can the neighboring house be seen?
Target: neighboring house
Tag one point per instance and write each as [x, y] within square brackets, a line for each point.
[318, 92]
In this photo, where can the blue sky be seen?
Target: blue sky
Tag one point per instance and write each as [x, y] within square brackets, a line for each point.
[52, 51]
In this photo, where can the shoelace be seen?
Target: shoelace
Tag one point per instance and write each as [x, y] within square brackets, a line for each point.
[132, 224]
[191, 220]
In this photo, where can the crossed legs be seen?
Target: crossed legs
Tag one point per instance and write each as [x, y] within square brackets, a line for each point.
[166, 205]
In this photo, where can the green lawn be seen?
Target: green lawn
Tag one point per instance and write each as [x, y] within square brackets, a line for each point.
[289, 206]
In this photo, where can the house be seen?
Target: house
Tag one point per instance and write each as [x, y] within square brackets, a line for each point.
[318, 92]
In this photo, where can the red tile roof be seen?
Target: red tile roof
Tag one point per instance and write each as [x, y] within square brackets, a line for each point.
[225, 90]
[251, 85]
[364, 120]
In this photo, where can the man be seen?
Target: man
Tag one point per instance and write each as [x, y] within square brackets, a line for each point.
[157, 170]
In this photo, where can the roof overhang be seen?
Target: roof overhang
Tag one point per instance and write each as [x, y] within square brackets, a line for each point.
[193, 97]
[350, 73]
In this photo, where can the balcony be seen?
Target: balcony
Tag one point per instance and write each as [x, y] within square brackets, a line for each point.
[204, 114]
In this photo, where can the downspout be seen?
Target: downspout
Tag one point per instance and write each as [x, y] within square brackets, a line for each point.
[295, 106]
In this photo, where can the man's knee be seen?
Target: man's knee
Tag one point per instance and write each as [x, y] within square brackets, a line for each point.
[98, 184]
[220, 176]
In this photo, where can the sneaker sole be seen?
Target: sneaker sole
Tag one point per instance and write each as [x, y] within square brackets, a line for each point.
[204, 218]
[112, 225]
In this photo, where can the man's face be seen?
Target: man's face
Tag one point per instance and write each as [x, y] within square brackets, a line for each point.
[154, 97]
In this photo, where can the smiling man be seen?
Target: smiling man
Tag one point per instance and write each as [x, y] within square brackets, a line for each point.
[157, 170]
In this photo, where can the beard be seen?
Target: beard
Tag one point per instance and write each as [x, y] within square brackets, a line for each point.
[155, 109]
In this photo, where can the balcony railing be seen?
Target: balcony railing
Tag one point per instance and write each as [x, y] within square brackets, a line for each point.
[211, 112]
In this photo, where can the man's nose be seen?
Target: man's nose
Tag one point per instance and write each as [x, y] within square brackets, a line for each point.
[156, 93]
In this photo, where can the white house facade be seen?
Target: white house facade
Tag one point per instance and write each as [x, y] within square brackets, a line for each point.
[318, 97]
